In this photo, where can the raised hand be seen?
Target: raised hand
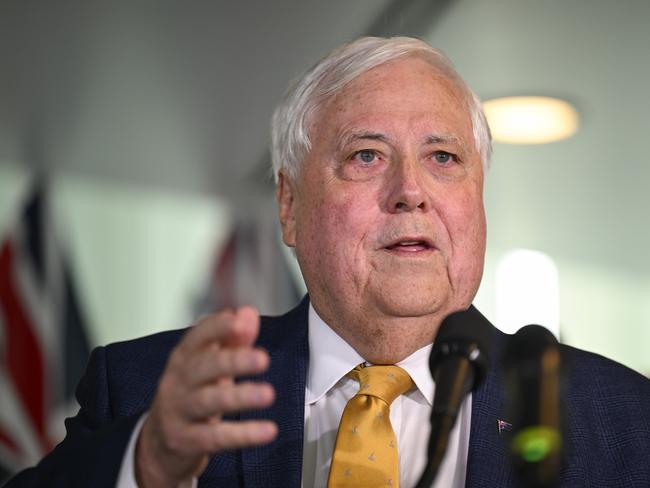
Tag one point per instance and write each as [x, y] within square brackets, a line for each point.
[185, 423]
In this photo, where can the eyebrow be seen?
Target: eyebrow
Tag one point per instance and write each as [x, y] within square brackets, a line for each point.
[442, 139]
[346, 139]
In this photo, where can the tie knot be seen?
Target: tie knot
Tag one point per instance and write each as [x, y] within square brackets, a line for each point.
[385, 382]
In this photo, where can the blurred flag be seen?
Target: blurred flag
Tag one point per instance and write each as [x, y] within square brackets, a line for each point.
[43, 344]
[252, 268]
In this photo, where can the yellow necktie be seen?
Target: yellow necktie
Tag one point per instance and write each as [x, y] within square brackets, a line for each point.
[365, 453]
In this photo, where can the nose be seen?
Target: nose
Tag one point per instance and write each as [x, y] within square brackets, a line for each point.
[407, 191]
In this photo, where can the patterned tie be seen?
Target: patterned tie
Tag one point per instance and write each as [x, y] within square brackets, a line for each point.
[365, 453]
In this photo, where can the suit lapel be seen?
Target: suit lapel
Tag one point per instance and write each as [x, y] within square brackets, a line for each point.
[280, 463]
[487, 462]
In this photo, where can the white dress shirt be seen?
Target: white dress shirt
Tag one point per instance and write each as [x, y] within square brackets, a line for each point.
[328, 390]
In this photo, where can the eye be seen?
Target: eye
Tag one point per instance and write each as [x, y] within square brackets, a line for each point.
[366, 156]
[363, 164]
[443, 157]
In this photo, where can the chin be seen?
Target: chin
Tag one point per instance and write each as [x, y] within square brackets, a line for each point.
[411, 305]
[397, 332]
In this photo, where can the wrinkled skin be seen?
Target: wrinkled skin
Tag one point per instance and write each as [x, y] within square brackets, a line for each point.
[386, 214]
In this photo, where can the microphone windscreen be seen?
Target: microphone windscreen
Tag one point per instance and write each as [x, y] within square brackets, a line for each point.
[528, 344]
[465, 333]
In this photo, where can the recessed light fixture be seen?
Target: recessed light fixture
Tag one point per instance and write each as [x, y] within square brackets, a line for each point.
[530, 120]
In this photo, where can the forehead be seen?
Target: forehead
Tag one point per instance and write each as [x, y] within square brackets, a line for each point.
[404, 91]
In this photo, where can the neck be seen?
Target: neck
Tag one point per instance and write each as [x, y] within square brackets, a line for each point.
[385, 340]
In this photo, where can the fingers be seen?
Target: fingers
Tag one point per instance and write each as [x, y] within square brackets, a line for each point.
[220, 346]
[246, 327]
[227, 397]
[230, 328]
[217, 362]
[235, 435]
[197, 387]
[227, 435]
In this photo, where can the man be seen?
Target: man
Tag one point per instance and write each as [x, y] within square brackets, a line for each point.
[380, 151]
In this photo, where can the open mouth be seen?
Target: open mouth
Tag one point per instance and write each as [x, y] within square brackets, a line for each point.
[410, 245]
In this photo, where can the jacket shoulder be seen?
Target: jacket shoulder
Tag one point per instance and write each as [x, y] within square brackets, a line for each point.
[602, 377]
[120, 378]
[608, 421]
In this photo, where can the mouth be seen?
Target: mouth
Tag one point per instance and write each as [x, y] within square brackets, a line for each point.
[410, 245]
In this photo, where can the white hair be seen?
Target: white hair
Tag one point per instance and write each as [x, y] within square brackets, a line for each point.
[291, 120]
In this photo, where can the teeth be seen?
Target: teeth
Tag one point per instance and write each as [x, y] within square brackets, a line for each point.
[409, 243]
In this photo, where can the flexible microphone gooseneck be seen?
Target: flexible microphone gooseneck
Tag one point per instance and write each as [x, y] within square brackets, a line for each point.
[533, 367]
[459, 362]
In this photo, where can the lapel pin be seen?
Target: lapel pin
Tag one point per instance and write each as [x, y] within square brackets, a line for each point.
[503, 426]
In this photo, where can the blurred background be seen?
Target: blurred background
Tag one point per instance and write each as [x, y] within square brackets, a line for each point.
[135, 189]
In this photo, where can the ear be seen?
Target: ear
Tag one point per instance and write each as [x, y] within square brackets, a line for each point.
[285, 196]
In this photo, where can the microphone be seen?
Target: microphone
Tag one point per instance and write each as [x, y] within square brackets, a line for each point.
[459, 362]
[533, 367]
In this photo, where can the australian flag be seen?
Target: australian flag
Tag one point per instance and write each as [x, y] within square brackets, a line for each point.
[43, 338]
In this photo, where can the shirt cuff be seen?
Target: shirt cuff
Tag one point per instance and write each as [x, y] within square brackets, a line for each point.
[126, 478]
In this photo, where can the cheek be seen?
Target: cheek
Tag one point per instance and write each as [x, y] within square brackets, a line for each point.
[343, 226]
[334, 231]
[465, 222]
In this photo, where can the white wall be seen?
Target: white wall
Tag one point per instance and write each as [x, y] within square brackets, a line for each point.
[601, 310]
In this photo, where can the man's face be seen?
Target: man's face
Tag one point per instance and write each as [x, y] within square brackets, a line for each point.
[386, 215]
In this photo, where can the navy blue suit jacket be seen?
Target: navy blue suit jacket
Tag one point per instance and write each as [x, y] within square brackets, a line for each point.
[607, 405]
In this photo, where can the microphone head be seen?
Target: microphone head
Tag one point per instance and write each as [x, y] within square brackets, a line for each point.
[466, 334]
[527, 344]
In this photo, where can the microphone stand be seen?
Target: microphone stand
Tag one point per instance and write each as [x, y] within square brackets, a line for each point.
[458, 363]
[443, 415]
[534, 373]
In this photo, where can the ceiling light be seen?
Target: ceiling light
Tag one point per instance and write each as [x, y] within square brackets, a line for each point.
[530, 120]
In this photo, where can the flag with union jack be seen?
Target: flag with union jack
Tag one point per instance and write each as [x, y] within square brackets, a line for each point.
[252, 268]
[43, 341]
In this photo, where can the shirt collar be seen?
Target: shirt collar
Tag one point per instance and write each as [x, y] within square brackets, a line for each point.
[331, 358]
[417, 366]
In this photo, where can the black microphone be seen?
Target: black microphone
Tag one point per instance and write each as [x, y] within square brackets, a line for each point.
[459, 362]
[533, 367]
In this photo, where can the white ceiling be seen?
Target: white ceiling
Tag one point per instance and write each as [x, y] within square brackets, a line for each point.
[176, 94]
[179, 94]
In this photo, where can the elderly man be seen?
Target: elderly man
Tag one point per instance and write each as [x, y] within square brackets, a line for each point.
[380, 151]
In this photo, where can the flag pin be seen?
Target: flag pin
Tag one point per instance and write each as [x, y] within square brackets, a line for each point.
[503, 426]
